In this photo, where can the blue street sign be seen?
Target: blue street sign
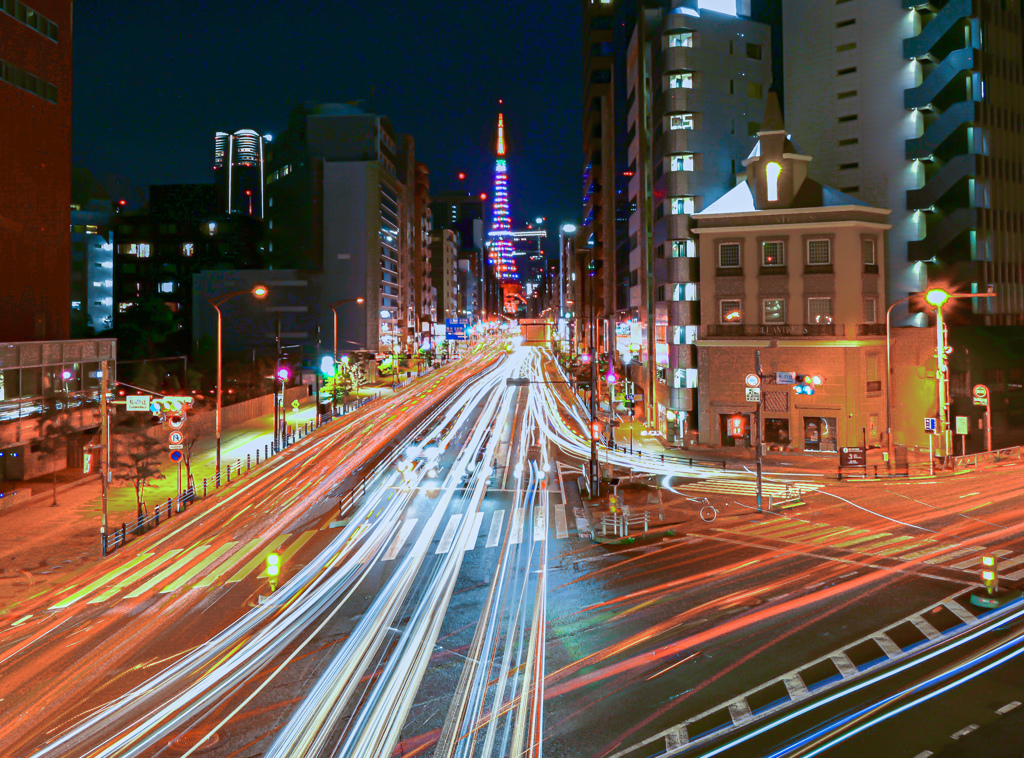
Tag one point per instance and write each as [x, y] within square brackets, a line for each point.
[456, 328]
[929, 425]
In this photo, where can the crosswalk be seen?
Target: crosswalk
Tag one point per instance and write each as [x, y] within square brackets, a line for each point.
[210, 565]
[901, 547]
[748, 488]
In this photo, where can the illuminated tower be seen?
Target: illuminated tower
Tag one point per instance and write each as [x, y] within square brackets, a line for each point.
[238, 168]
[501, 246]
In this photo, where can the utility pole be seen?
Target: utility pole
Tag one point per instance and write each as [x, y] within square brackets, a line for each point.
[757, 429]
[278, 401]
[594, 462]
[104, 453]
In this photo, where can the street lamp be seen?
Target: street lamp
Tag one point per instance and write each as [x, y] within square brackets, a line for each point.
[259, 292]
[334, 308]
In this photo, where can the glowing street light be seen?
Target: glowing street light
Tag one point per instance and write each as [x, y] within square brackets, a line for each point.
[936, 297]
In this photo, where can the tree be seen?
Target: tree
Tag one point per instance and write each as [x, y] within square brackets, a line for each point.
[189, 438]
[136, 461]
[54, 429]
[348, 377]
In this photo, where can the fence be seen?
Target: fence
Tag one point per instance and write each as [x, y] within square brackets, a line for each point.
[620, 523]
[989, 458]
[204, 488]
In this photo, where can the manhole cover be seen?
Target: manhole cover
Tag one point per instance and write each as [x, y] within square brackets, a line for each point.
[196, 739]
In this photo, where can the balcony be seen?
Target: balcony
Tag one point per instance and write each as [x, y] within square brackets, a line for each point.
[775, 330]
[683, 270]
[870, 330]
[680, 59]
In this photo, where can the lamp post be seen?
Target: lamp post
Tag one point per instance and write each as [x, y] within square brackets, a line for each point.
[259, 292]
[888, 385]
[334, 308]
[562, 231]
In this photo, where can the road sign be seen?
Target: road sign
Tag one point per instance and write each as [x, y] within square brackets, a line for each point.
[629, 397]
[175, 422]
[456, 328]
[175, 438]
[752, 380]
[981, 401]
[295, 405]
[785, 377]
[853, 456]
[753, 394]
[929, 425]
[137, 403]
[961, 424]
[175, 447]
[980, 390]
[176, 456]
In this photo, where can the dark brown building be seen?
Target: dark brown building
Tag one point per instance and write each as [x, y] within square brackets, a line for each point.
[35, 163]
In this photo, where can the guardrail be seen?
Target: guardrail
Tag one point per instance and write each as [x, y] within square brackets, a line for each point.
[988, 458]
[620, 523]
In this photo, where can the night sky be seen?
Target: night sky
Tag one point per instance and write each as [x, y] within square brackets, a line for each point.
[155, 80]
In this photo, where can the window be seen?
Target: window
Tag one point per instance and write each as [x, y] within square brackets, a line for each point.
[123, 307]
[753, 51]
[846, 22]
[103, 283]
[850, 190]
[165, 287]
[731, 311]
[682, 205]
[847, 119]
[754, 90]
[680, 121]
[867, 247]
[753, 127]
[601, 76]
[773, 253]
[772, 171]
[684, 249]
[660, 293]
[682, 162]
[22, 79]
[819, 252]
[848, 166]
[773, 311]
[845, 95]
[819, 310]
[845, 71]
[729, 255]
[677, 81]
[847, 46]
[76, 305]
[870, 310]
[680, 39]
[188, 249]
[138, 249]
[30, 18]
[848, 142]
[601, 49]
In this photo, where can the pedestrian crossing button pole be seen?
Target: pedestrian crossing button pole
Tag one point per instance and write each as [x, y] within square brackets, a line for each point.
[990, 573]
[993, 597]
[273, 570]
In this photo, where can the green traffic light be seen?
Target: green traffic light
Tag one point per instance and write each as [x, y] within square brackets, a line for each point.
[273, 564]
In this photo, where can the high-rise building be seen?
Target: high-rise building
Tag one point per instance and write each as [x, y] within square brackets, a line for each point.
[35, 163]
[92, 257]
[698, 76]
[919, 107]
[463, 212]
[342, 202]
[238, 161]
[444, 260]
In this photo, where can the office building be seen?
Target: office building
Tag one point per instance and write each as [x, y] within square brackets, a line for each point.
[35, 163]
[698, 76]
[919, 107]
[463, 212]
[444, 273]
[238, 169]
[92, 257]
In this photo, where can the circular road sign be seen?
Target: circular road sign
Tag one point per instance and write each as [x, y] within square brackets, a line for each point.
[980, 390]
[175, 422]
[753, 380]
[176, 456]
[175, 438]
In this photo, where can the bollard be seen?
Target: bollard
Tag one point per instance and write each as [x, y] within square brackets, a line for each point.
[168, 509]
[257, 456]
[248, 462]
[138, 525]
[662, 457]
[229, 473]
[124, 534]
[103, 543]
[204, 487]
[216, 479]
[156, 515]
[266, 453]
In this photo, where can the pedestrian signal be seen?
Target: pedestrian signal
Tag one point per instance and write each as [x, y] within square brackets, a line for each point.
[595, 431]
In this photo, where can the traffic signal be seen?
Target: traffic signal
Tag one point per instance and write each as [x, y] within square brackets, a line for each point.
[595, 431]
[805, 383]
[737, 426]
[273, 569]
[990, 573]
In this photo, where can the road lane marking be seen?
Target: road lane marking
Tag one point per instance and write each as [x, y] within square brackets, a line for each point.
[191, 574]
[862, 538]
[1008, 707]
[977, 559]
[291, 550]
[925, 628]
[89, 588]
[399, 541]
[540, 524]
[518, 519]
[872, 547]
[954, 554]
[229, 564]
[127, 582]
[561, 522]
[494, 533]
[478, 522]
[449, 534]
[166, 573]
[833, 534]
[964, 732]
[259, 558]
[921, 553]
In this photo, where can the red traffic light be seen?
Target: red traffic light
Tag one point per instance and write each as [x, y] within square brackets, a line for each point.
[737, 426]
[595, 431]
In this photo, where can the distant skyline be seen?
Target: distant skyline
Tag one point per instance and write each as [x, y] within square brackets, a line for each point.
[153, 85]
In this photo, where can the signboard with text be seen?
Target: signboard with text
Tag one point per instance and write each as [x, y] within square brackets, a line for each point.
[961, 424]
[456, 328]
[853, 456]
[137, 403]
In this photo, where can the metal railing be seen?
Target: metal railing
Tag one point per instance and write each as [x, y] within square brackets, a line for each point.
[989, 458]
[620, 523]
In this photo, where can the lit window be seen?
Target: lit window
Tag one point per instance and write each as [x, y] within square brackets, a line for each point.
[76, 305]
[868, 247]
[754, 90]
[729, 255]
[773, 253]
[682, 162]
[870, 310]
[680, 121]
[772, 171]
[123, 307]
[138, 249]
[680, 81]
[680, 39]
[106, 264]
[682, 205]
[188, 249]
[684, 249]
[731, 311]
[819, 310]
[166, 287]
[773, 311]
[685, 378]
[819, 252]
